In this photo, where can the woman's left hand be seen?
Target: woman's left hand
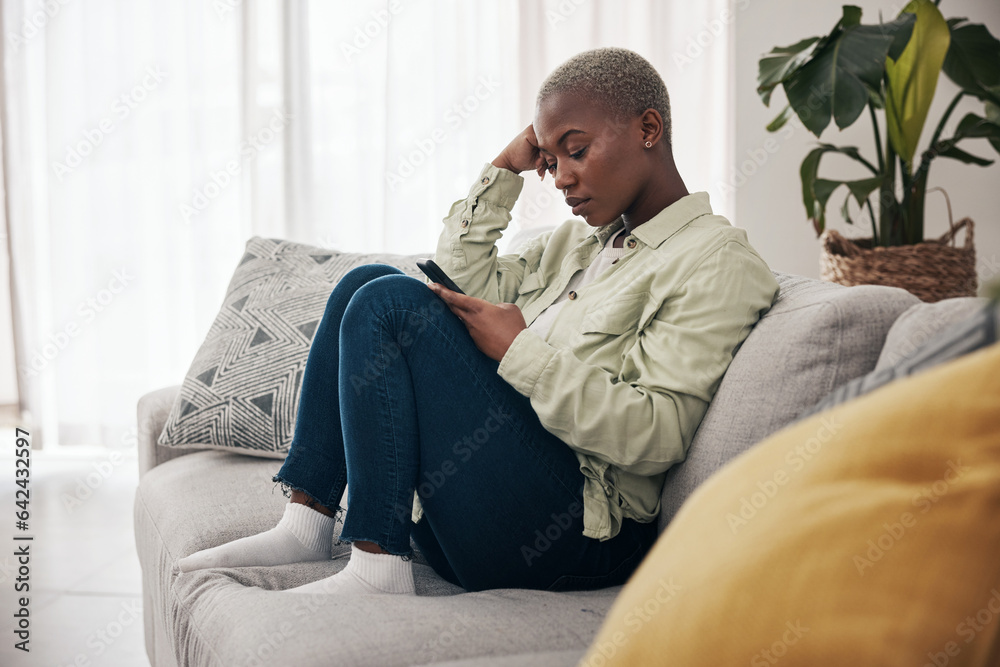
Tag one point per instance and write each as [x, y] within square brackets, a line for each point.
[493, 327]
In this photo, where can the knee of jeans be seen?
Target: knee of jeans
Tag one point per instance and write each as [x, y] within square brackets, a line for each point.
[368, 272]
[386, 294]
[357, 278]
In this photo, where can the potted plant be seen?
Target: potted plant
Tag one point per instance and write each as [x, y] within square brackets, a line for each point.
[891, 70]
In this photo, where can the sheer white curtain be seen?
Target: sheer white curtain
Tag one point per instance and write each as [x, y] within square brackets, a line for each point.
[409, 99]
[146, 141]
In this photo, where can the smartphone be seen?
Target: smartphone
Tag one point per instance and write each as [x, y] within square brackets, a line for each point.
[437, 275]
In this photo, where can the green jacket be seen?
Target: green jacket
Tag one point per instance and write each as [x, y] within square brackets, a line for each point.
[630, 365]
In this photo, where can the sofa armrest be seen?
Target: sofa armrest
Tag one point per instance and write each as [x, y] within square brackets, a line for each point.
[152, 412]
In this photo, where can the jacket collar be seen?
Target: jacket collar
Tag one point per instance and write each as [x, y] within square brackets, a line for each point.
[664, 224]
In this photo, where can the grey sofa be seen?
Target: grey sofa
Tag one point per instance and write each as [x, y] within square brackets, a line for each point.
[815, 337]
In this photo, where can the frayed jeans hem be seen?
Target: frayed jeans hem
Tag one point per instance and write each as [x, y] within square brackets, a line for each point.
[406, 556]
[286, 490]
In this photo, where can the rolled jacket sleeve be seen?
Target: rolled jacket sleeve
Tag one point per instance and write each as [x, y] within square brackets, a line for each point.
[467, 245]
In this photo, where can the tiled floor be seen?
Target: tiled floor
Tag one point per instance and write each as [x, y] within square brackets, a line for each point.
[86, 594]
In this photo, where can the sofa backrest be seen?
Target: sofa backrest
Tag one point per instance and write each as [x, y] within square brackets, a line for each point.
[816, 336]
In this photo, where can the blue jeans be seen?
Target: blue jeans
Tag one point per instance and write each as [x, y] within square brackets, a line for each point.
[395, 398]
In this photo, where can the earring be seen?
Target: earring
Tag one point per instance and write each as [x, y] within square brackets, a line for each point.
[649, 144]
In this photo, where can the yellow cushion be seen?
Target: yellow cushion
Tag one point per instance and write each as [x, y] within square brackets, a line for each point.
[866, 535]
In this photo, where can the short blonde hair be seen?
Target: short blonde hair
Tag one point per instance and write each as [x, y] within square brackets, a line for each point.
[621, 80]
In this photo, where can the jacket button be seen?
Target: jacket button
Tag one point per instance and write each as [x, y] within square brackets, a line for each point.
[571, 295]
[465, 223]
[614, 261]
[486, 179]
[630, 243]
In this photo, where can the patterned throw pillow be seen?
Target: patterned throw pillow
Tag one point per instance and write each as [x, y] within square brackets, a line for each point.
[241, 392]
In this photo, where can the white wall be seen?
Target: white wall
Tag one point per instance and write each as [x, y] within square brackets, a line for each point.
[769, 202]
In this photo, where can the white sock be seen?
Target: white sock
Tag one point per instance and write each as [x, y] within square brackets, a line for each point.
[303, 534]
[366, 573]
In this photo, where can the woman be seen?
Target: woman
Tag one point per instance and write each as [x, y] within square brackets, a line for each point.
[520, 434]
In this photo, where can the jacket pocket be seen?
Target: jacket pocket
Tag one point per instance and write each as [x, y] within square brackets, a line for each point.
[617, 316]
[531, 283]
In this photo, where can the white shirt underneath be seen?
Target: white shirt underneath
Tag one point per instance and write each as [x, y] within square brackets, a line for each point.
[605, 258]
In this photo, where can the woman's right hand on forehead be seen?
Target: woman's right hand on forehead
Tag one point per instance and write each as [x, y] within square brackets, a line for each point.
[522, 154]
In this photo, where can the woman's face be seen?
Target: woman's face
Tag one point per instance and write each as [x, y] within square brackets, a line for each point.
[598, 163]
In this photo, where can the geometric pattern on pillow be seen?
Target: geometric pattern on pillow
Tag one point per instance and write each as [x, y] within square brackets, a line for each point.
[241, 391]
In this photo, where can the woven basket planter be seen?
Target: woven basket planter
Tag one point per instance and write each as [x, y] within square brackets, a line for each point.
[932, 270]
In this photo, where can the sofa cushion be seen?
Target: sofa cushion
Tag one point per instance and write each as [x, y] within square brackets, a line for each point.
[960, 327]
[864, 535]
[241, 392]
[815, 337]
[923, 322]
[226, 616]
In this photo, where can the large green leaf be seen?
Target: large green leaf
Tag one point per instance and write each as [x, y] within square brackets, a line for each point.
[780, 119]
[973, 60]
[863, 187]
[912, 79]
[842, 76]
[775, 67]
[816, 191]
[860, 190]
[901, 32]
[956, 154]
[850, 17]
[974, 126]
[993, 114]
